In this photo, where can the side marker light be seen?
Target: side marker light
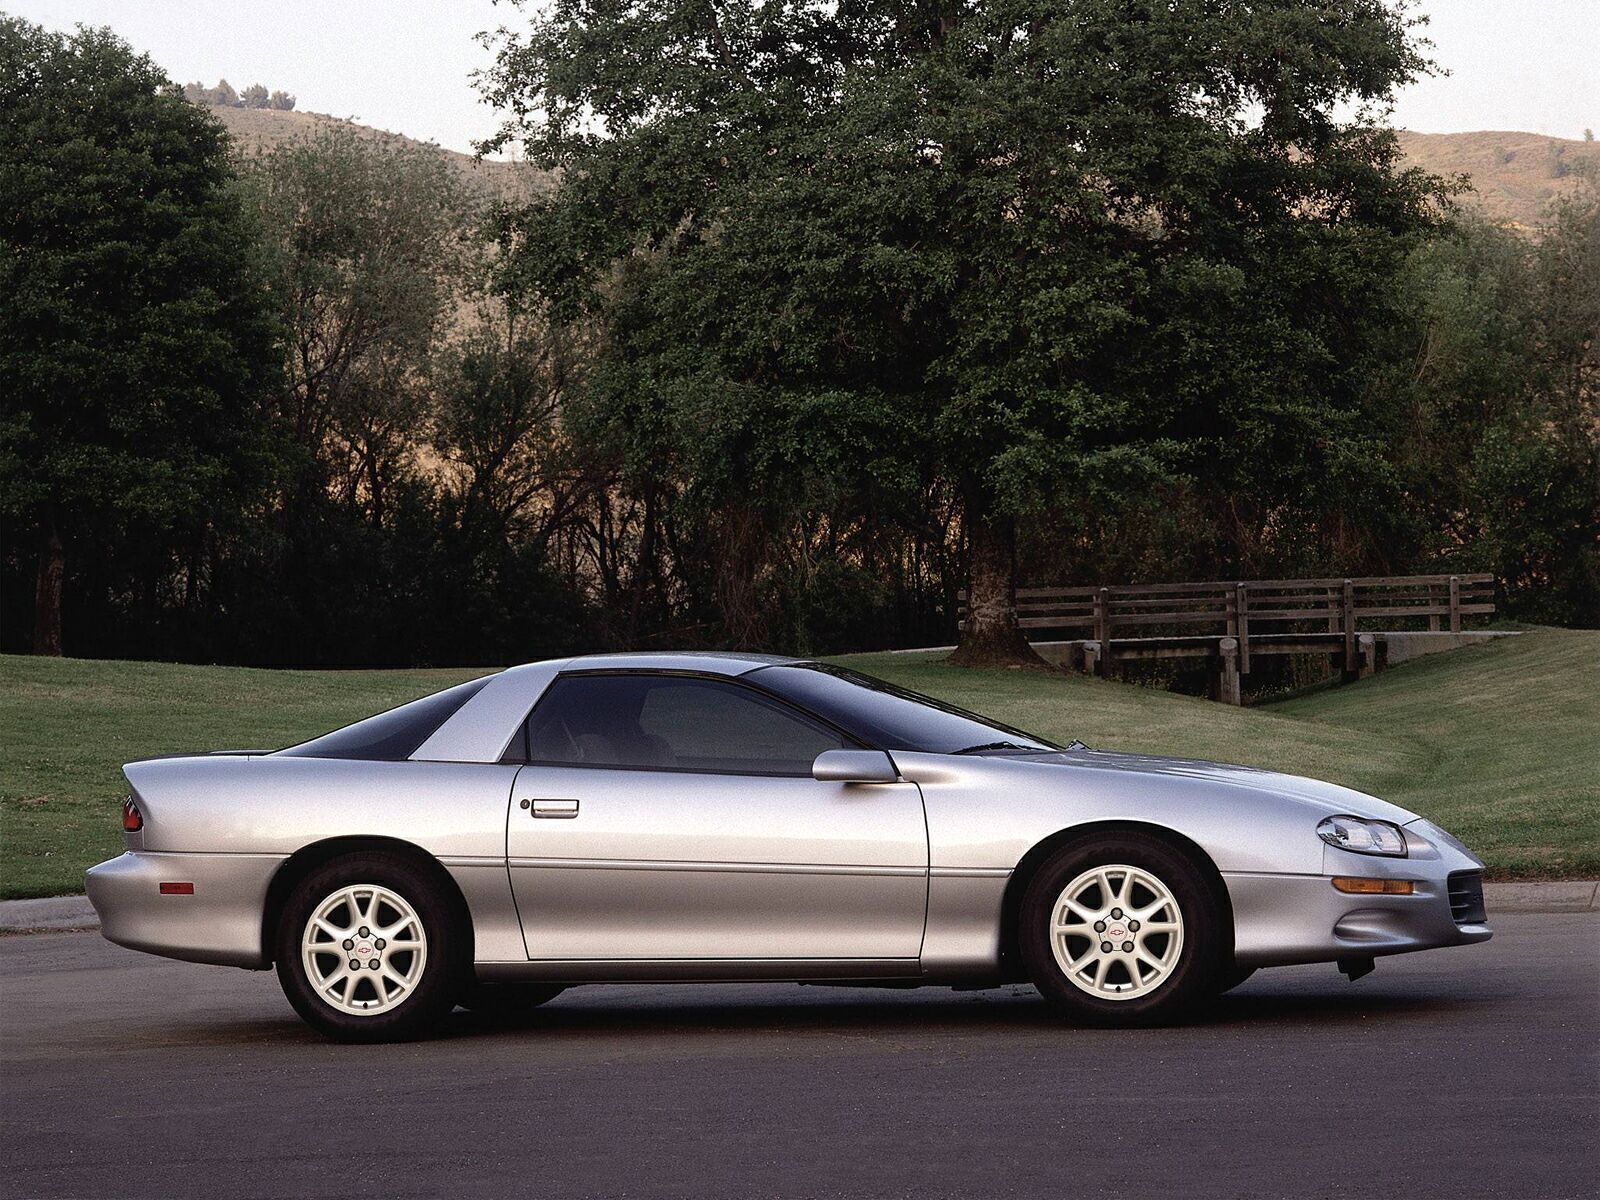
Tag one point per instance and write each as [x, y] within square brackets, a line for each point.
[1373, 887]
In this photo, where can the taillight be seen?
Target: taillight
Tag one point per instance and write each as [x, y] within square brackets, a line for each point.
[132, 818]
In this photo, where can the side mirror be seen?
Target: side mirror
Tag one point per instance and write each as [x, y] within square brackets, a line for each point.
[854, 766]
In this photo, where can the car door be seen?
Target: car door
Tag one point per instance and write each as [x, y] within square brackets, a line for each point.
[666, 817]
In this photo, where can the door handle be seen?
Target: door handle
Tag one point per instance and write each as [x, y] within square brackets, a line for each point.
[555, 808]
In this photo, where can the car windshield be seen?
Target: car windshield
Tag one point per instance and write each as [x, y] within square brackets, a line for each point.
[887, 716]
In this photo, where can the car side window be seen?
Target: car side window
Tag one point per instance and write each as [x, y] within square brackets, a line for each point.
[672, 722]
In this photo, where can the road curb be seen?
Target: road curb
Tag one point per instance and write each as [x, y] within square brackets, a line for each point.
[1562, 895]
[55, 912]
[1566, 895]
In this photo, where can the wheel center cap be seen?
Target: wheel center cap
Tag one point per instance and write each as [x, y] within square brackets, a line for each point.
[1117, 931]
[364, 951]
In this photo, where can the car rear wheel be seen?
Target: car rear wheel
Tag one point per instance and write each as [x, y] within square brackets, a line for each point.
[366, 949]
[1121, 929]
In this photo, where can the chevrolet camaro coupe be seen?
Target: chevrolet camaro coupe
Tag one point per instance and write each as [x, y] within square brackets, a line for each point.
[706, 817]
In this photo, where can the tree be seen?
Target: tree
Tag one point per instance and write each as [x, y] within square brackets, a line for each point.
[133, 345]
[223, 95]
[363, 240]
[254, 96]
[363, 245]
[1490, 406]
[1073, 251]
[1559, 535]
[282, 101]
[496, 418]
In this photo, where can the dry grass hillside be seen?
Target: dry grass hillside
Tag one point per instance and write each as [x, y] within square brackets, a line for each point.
[254, 129]
[1514, 176]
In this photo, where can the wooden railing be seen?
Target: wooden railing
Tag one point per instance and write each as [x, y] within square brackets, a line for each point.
[1237, 618]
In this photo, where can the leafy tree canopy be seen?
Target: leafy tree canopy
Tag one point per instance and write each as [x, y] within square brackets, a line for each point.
[133, 345]
[223, 96]
[363, 243]
[1037, 249]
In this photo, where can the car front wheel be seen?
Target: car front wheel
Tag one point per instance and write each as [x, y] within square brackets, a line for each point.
[1122, 929]
[366, 951]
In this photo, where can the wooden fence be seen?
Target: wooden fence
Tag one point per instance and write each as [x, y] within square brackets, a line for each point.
[1231, 621]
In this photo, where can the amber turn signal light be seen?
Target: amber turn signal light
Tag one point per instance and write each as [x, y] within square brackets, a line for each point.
[1373, 887]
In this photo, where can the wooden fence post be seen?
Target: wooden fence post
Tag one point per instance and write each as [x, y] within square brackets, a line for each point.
[1102, 631]
[1242, 607]
[1228, 671]
[1347, 614]
[1455, 604]
[1433, 602]
[1333, 616]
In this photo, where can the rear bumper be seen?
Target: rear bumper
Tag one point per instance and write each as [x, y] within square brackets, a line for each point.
[220, 922]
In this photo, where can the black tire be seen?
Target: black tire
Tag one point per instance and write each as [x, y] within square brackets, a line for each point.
[504, 999]
[1192, 978]
[444, 967]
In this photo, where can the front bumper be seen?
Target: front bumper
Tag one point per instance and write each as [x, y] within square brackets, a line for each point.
[1284, 919]
[220, 922]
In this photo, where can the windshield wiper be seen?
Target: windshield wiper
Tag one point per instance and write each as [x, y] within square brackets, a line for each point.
[995, 746]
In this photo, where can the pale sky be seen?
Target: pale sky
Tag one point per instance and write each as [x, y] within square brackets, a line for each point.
[406, 65]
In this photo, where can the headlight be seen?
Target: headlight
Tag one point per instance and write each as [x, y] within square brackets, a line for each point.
[1434, 834]
[1361, 836]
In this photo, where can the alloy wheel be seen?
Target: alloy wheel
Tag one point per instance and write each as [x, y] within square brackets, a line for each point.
[1116, 932]
[364, 949]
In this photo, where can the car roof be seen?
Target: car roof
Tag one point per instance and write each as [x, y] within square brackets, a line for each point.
[711, 662]
[482, 727]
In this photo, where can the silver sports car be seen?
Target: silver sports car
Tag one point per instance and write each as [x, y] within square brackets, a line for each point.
[715, 817]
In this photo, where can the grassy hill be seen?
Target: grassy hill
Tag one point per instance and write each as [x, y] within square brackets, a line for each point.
[67, 725]
[1514, 175]
[256, 129]
[1500, 744]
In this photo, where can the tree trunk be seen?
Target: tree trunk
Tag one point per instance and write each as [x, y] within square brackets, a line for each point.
[47, 596]
[992, 636]
[644, 569]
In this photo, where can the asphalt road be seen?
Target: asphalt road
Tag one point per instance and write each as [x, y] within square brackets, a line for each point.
[1457, 1073]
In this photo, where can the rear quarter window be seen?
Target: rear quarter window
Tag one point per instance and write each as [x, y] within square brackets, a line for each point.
[394, 735]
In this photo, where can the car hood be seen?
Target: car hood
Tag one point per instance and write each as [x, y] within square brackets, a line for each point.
[1329, 798]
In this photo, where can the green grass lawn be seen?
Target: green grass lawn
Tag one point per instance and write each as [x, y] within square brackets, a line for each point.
[1499, 743]
[68, 725]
